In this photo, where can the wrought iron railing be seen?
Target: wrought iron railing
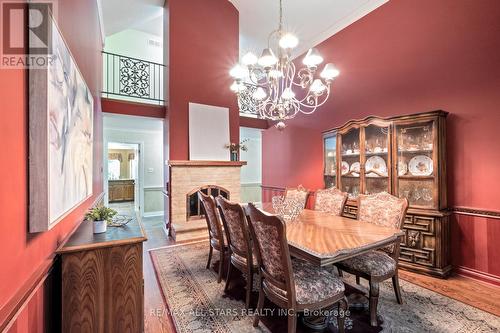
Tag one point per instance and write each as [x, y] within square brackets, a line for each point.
[133, 79]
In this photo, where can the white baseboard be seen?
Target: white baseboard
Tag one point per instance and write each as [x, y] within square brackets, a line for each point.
[153, 214]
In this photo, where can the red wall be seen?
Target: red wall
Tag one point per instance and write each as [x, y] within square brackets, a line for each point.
[407, 57]
[133, 109]
[203, 46]
[23, 253]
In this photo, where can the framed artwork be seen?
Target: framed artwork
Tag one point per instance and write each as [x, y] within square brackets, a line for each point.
[61, 110]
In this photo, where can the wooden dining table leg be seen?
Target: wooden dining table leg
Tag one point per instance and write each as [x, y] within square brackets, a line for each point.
[357, 296]
[342, 312]
[316, 323]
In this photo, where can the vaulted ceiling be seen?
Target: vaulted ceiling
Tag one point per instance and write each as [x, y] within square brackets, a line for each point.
[312, 21]
[143, 15]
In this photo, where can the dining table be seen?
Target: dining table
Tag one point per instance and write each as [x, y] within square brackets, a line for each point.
[324, 239]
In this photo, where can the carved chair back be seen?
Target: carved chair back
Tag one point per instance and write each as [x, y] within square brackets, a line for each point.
[236, 227]
[273, 256]
[382, 209]
[330, 200]
[212, 218]
[385, 210]
[300, 194]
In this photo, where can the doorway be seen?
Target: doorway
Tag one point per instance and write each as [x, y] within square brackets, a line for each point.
[123, 177]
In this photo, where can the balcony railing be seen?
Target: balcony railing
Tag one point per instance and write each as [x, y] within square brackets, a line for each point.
[133, 79]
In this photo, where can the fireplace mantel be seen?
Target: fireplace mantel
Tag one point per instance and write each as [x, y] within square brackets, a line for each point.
[186, 163]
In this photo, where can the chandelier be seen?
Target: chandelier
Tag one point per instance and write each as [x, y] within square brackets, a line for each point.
[272, 88]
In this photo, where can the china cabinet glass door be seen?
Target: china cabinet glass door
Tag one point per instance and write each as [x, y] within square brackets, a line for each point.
[377, 159]
[416, 163]
[330, 153]
[350, 166]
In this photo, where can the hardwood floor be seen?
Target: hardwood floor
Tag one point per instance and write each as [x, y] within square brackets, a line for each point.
[156, 318]
[478, 294]
[481, 295]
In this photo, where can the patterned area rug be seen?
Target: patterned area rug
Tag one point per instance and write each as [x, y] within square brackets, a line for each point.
[197, 303]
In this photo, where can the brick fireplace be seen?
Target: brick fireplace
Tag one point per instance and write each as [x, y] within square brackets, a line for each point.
[194, 206]
[187, 177]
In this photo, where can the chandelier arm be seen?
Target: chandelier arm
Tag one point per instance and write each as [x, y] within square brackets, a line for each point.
[311, 94]
[306, 77]
[278, 79]
[316, 104]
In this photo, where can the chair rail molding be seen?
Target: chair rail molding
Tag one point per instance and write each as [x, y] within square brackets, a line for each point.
[479, 212]
[11, 311]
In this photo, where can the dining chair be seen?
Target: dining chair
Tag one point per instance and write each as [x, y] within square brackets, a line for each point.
[300, 194]
[295, 285]
[330, 200]
[215, 233]
[239, 243]
[376, 266]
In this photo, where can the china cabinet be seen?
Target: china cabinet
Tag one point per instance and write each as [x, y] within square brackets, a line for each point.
[405, 156]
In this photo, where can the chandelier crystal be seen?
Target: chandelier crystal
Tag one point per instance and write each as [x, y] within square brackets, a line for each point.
[271, 86]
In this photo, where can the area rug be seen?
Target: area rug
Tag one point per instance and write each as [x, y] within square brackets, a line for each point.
[197, 303]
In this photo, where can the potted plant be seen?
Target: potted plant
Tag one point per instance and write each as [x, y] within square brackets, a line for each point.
[100, 216]
[234, 148]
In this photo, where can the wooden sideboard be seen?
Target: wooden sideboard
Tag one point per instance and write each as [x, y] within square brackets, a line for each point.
[121, 190]
[102, 279]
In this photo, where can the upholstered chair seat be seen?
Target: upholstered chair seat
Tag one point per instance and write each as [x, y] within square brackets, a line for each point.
[218, 242]
[374, 263]
[215, 232]
[241, 249]
[385, 210]
[312, 284]
[243, 261]
[292, 284]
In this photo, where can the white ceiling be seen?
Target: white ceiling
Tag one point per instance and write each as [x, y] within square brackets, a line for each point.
[131, 123]
[119, 145]
[143, 15]
[312, 21]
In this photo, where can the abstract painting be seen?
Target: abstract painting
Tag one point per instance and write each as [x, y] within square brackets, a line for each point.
[61, 137]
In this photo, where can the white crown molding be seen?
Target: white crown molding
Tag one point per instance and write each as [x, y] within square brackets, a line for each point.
[355, 15]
